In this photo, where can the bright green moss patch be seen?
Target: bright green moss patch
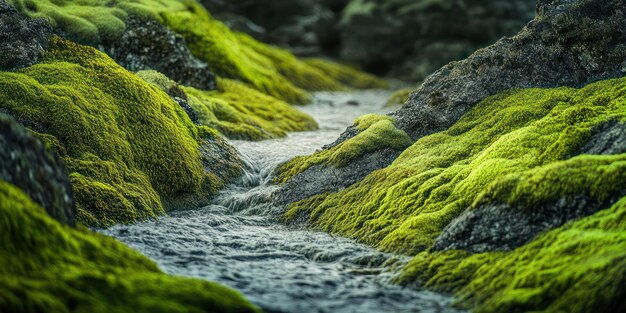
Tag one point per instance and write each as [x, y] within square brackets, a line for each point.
[399, 97]
[271, 70]
[240, 112]
[503, 147]
[124, 140]
[47, 267]
[347, 75]
[375, 132]
[580, 267]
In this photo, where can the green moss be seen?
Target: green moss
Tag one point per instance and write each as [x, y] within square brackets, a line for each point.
[580, 267]
[399, 97]
[48, 267]
[240, 112]
[375, 132]
[347, 75]
[505, 148]
[271, 70]
[122, 138]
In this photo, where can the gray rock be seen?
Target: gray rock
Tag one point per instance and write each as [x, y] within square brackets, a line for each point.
[23, 40]
[148, 45]
[572, 43]
[26, 163]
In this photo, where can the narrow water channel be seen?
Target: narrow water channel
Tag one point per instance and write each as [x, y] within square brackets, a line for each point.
[237, 242]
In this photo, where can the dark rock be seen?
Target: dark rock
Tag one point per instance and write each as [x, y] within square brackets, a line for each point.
[410, 39]
[148, 45]
[26, 163]
[573, 44]
[23, 40]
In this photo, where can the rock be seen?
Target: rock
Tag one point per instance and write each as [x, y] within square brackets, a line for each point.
[26, 163]
[411, 39]
[609, 138]
[23, 40]
[148, 45]
[572, 44]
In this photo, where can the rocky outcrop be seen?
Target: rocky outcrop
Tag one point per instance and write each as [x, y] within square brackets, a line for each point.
[22, 40]
[570, 43]
[26, 163]
[148, 45]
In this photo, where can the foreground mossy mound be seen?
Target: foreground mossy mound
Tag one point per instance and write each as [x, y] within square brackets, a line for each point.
[49, 267]
[580, 267]
[229, 54]
[499, 151]
[127, 144]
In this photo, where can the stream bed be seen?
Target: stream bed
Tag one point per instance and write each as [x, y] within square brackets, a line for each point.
[237, 242]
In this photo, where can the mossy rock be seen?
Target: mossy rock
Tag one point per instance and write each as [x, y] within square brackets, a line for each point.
[509, 142]
[49, 267]
[270, 70]
[126, 143]
[576, 268]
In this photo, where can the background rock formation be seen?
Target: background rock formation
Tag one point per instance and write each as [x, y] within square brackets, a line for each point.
[22, 40]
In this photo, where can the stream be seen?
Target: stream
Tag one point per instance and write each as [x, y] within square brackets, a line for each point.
[237, 241]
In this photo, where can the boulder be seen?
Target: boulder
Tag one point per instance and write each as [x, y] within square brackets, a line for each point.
[148, 45]
[23, 40]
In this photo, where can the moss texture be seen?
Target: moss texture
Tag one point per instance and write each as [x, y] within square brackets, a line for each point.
[347, 75]
[512, 147]
[240, 112]
[229, 54]
[580, 267]
[47, 267]
[125, 141]
[374, 132]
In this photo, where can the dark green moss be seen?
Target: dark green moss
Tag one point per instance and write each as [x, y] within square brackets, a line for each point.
[48, 267]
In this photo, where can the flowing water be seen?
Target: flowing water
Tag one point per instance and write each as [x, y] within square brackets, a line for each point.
[237, 242]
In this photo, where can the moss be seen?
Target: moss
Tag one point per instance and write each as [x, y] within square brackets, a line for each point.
[375, 132]
[399, 97]
[240, 112]
[47, 267]
[580, 267]
[123, 138]
[505, 148]
[271, 70]
[347, 75]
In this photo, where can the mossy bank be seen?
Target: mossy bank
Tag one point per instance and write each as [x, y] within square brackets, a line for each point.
[523, 150]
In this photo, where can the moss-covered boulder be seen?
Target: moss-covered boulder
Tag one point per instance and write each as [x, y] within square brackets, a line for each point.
[128, 145]
[49, 267]
[22, 40]
[581, 42]
[27, 163]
